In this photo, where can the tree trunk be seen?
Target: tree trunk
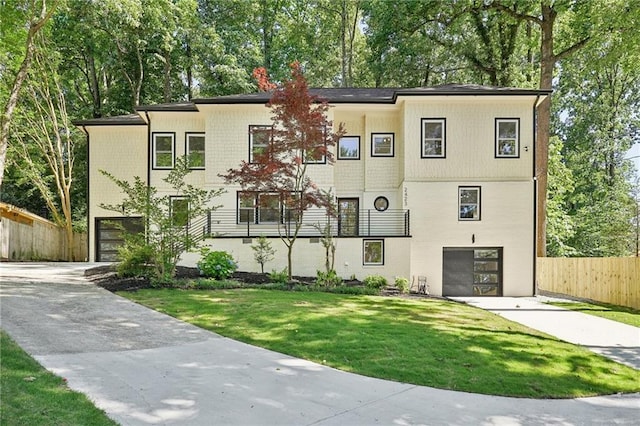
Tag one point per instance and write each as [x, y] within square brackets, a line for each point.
[547, 63]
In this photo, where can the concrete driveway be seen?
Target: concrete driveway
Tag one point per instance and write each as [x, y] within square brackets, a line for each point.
[145, 368]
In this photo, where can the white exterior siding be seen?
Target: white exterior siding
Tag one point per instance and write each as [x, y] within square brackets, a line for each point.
[427, 187]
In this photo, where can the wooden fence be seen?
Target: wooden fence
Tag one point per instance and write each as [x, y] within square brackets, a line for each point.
[25, 236]
[614, 280]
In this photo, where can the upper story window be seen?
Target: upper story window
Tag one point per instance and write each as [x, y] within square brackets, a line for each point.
[163, 150]
[507, 137]
[259, 139]
[469, 203]
[349, 148]
[382, 144]
[316, 155]
[433, 138]
[195, 150]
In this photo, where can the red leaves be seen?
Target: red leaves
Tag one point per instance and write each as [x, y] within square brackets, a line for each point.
[264, 85]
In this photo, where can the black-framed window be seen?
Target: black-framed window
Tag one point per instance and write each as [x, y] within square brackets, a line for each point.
[179, 211]
[469, 203]
[381, 203]
[194, 148]
[349, 148]
[372, 252]
[318, 154]
[259, 207]
[382, 144]
[507, 138]
[433, 138]
[163, 150]
[259, 139]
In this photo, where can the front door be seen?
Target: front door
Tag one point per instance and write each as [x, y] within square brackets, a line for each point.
[472, 271]
[348, 210]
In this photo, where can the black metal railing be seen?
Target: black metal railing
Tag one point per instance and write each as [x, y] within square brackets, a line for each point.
[225, 223]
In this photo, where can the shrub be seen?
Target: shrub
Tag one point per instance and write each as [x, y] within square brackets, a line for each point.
[262, 251]
[403, 284]
[375, 281]
[216, 264]
[281, 277]
[328, 279]
[137, 259]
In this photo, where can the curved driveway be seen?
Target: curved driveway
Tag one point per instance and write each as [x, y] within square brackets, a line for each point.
[145, 368]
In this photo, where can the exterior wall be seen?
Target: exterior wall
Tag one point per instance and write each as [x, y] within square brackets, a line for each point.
[121, 151]
[309, 257]
[507, 210]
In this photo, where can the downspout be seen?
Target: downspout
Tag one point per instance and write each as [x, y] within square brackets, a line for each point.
[535, 199]
[149, 142]
[84, 129]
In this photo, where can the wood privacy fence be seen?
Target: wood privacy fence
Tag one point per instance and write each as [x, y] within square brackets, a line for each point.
[614, 280]
[26, 236]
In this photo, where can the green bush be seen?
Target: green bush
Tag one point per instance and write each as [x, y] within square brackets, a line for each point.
[218, 265]
[279, 277]
[136, 259]
[403, 284]
[375, 281]
[328, 279]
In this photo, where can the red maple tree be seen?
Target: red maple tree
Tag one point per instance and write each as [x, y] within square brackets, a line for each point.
[301, 137]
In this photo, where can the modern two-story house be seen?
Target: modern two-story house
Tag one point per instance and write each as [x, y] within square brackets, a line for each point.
[432, 184]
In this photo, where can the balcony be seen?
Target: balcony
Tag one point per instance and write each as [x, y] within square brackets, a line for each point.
[226, 223]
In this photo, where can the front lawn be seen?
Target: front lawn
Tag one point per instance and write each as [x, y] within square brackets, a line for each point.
[621, 314]
[30, 395]
[421, 341]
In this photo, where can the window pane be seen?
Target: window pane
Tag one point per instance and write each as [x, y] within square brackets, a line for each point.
[507, 147]
[180, 211]
[382, 145]
[468, 196]
[432, 147]
[195, 145]
[485, 290]
[432, 130]
[269, 208]
[507, 129]
[482, 266]
[373, 252]
[164, 143]
[349, 147]
[163, 151]
[485, 254]
[164, 160]
[468, 211]
[485, 278]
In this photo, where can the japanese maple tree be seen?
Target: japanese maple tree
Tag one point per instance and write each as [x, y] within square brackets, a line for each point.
[301, 136]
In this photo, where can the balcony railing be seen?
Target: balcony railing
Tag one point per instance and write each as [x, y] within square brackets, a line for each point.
[225, 223]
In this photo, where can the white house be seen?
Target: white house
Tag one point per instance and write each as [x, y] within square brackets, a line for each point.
[434, 183]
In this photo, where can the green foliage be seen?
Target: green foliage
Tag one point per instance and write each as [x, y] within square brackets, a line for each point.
[328, 279]
[403, 284]
[136, 258]
[216, 264]
[375, 281]
[166, 239]
[281, 277]
[262, 251]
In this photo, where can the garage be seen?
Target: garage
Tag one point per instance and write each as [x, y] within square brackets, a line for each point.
[472, 271]
[110, 234]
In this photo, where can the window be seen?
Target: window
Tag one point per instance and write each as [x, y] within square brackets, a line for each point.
[349, 148]
[382, 144]
[259, 138]
[507, 137]
[179, 211]
[348, 215]
[373, 252]
[381, 203]
[163, 150]
[469, 203]
[316, 155]
[258, 207]
[433, 138]
[195, 150]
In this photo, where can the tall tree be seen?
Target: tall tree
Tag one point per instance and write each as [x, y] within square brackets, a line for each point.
[301, 135]
[38, 13]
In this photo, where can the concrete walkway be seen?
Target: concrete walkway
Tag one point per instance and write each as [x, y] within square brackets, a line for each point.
[620, 342]
[145, 368]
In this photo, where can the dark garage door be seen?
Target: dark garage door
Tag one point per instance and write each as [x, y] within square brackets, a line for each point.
[110, 235]
[472, 271]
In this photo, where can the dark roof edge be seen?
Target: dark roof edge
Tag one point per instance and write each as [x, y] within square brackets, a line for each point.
[176, 107]
[120, 120]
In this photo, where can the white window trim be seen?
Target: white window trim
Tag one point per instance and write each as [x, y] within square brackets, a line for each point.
[478, 204]
[251, 131]
[516, 153]
[443, 138]
[187, 150]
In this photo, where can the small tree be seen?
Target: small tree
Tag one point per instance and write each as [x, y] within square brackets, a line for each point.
[262, 251]
[167, 239]
[301, 136]
[326, 230]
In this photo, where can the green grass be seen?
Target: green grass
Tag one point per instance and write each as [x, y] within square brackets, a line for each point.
[30, 395]
[613, 312]
[426, 342]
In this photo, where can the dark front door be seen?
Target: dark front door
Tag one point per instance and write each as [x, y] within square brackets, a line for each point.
[348, 217]
[110, 234]
[472, 271]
